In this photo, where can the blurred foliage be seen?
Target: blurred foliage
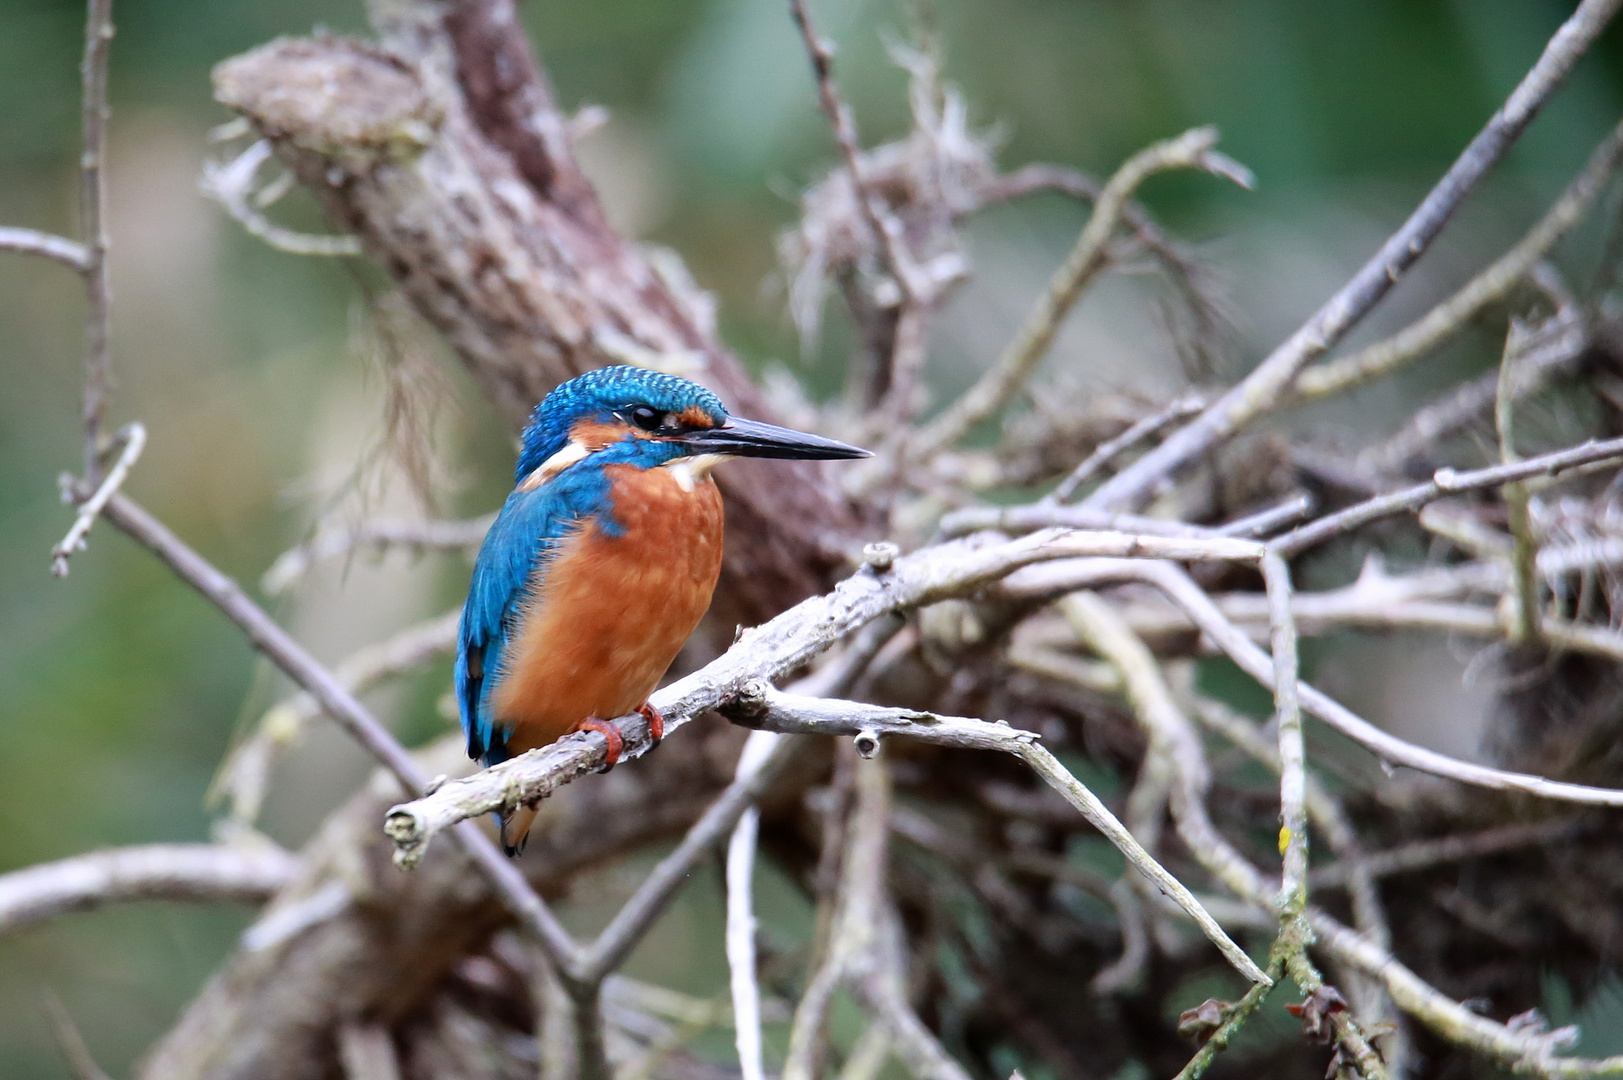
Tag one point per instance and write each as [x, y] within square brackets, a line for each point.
[122, 690]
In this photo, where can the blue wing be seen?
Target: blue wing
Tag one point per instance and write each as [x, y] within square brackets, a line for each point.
[523, 538]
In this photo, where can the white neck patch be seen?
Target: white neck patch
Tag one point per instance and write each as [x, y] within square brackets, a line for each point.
[557, 463]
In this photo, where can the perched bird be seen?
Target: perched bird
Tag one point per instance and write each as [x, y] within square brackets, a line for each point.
[601, 562]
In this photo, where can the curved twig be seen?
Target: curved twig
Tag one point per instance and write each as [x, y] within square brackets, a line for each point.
[997, 387]
[200, 872]
[69, 253]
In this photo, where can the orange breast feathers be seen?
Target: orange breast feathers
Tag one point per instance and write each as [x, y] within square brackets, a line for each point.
[610, 613]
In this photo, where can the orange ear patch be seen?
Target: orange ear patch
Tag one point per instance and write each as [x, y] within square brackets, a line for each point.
[695, 417]
[596, 434]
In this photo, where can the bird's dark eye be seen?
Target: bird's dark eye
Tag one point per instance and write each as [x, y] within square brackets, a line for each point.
[646, 418]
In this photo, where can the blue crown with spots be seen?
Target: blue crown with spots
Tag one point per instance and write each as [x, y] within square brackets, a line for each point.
[599, 394]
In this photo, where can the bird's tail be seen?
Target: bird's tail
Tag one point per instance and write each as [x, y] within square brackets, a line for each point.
[516, 829]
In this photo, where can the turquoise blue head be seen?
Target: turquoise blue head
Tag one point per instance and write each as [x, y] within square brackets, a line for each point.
[634, 416]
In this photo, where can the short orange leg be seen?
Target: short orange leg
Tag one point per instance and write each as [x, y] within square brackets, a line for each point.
[656, 722]
[609, 732]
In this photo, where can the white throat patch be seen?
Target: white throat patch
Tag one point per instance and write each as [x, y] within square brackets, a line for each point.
[688, 471]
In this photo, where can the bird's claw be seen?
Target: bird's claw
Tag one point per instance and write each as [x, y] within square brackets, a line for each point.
[609, 732]
[656, 722]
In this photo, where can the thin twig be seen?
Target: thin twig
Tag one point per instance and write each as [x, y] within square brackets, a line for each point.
[133, 436]
[1024, 519]
[1354, 866]
[1234, 1018]
[244, 776]
[1377, 601]
[1104, 631]
[1425, 854]
[917, 291]
[997, 387]
[93, 224]
[1264, 387]
[231, 184]
[378, 535]
[33, 242]
[766, 709]
[71, 1041]
[1559, 343]
[844, 127]
[740, 936]
[1171, 732]
[1488, 287]
[1293, 837]
[1445, 482]
[851, 929]
[617, 940]
[1524, 555]
[1266, 521]
[1106, 452]
[1183, 271]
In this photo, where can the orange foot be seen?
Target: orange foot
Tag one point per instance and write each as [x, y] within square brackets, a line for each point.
[609, 732]
[656, 722]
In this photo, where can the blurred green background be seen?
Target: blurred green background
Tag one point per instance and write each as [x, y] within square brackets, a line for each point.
[121, 691]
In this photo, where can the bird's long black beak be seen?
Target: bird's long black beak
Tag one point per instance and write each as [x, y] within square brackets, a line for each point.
[752, 438]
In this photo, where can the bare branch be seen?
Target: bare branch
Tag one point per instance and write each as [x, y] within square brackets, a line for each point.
[1556, 346]
[71, 1042]
[1022, 519]
[201, 872]
[1184, 272]
[1488, 287]
[1106, 452]
[280, 647]
[1172, 734]
[1524, 556]
[997, 387]
[33, 242]
[773, 649]
[231, 184]
[1264, 387]
[766, 709]
[244, 776]
[740, 943]
[843, 125]
[1444, 482]
[1266, 521]
[1233, 1020]
[93, 224]
[134, 439]
[617, 940]
[378, 535]
[1292, 754]
[1425, 854]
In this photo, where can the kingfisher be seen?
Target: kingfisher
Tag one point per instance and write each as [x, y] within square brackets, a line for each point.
[601, 562]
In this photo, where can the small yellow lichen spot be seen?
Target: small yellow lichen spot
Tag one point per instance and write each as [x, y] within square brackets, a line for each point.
[1284, 838]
